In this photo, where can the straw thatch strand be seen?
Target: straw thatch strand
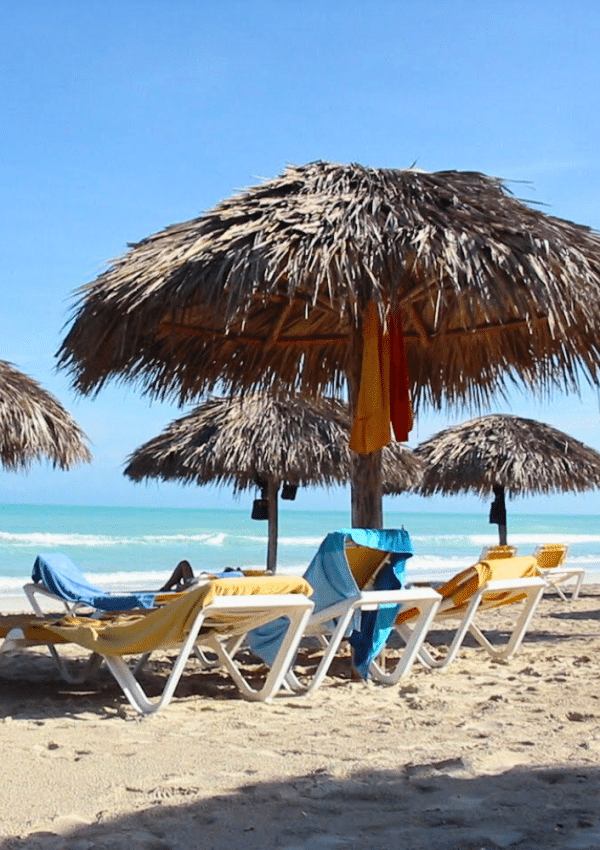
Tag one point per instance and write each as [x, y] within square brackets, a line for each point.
[34, 426]
[258, 437]
[521, 455]
[270, 286]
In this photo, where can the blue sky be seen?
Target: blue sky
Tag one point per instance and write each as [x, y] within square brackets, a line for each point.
[120, 117]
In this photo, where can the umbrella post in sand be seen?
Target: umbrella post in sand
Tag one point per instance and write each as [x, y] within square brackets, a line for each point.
[270, 289]
[34, 426]
[267, 507]
[505, 454]
[273, 501]
[498, 513]
[258, 439]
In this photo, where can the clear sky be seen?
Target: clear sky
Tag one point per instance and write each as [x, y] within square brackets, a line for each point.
[120, 117]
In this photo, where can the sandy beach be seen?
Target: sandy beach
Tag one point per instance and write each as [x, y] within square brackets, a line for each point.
[484, 755]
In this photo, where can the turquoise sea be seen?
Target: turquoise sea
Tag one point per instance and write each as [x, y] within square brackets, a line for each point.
[121, 547]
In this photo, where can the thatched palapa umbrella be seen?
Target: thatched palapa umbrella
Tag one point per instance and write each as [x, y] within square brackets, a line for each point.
[273, 285]
[257, 439]
[34, 426]
[505, 454]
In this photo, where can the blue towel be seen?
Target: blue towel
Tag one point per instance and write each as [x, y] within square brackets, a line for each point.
[332, 581]
[63, 578]
[375, 626]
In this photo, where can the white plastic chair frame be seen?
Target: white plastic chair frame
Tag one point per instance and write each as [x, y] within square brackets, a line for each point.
[16, 640]
[426, 599]
[533, 589]
[258, 609]
[263, 609]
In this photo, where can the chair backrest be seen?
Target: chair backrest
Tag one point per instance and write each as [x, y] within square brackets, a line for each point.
[550, 555]
[492, 552]
[364, 550]
[365, 563]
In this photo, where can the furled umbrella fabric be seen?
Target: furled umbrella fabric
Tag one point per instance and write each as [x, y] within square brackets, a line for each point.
[258, 437]
[34, 426]
[271, 287]
[503, 453]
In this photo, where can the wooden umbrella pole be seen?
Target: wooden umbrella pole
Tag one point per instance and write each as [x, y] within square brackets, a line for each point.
[367, 509]
[272, 489]
[366, 483]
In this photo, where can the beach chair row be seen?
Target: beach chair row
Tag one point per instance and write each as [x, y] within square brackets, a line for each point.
[550, 559]
[354, 587]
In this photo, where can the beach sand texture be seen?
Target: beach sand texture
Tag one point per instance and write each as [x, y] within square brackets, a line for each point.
[483, 755]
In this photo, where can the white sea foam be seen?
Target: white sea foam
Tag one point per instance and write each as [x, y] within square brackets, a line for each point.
[46, 541]
[313, 542]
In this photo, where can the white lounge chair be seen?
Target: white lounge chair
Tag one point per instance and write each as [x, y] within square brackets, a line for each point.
[216, 615]
[356, 576]
[485, 586]
[550, 558]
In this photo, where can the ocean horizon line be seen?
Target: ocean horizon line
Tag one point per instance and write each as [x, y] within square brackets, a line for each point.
[287, 509]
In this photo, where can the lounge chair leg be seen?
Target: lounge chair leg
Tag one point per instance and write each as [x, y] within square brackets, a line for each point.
[413, 639]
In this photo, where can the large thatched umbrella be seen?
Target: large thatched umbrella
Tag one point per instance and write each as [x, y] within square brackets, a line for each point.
[272, 285]
[34, 425]
[259, 440]
[505, 454]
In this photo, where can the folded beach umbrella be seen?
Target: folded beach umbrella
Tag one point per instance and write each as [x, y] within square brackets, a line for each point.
[438, 288]
[259, 439]
[34, 426]
[502, 454]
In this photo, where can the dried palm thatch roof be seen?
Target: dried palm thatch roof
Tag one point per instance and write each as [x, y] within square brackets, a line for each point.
[521, 455]
[271, 284]
[258, 437]
[34, 425]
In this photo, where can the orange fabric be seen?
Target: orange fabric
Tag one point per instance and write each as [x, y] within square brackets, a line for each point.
[371, 426]
[401, 413]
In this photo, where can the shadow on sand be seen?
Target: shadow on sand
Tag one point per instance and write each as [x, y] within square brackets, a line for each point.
[441, 806]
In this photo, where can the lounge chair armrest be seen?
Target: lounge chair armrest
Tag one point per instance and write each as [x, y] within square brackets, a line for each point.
[511, 584]
[411, 596]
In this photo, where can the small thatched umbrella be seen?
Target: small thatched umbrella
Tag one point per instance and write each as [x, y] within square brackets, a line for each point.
[505, 454]
[272, 286]
[34, 425]
[259, 440]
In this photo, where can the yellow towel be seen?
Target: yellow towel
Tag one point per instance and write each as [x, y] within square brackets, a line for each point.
[34, 627]
[458, 592]
[371, 426]
[140, 632]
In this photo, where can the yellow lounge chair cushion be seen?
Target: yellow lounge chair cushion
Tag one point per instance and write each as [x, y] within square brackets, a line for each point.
[550, 555]
[139, 632]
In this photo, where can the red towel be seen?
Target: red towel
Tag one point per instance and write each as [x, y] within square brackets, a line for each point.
[401, 413]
